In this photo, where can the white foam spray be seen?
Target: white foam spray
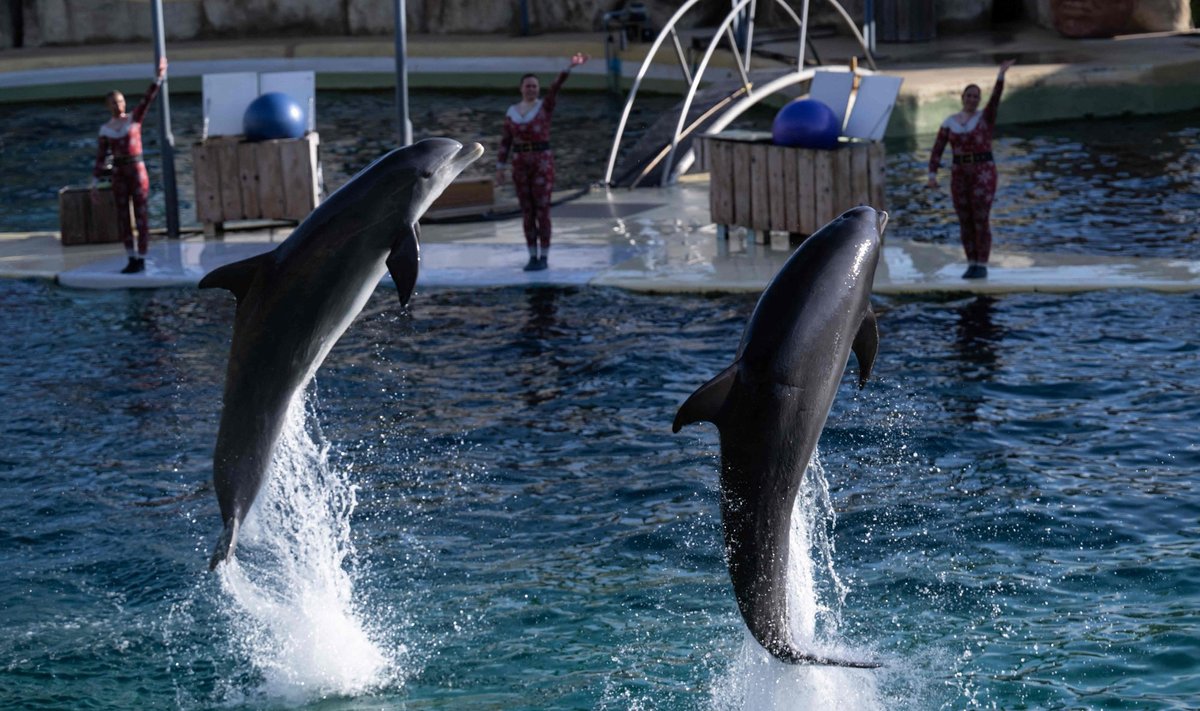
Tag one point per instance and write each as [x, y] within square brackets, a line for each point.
[292, 611]
[757, 681]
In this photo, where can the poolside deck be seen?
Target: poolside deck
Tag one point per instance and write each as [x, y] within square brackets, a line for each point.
[651, 240]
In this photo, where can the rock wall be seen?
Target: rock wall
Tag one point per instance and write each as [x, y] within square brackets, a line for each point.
[73, 22]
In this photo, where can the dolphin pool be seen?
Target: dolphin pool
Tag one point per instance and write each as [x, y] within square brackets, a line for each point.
[482, 506]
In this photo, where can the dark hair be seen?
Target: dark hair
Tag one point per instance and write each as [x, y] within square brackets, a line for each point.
[112, 95]
[973, 86]
[528, 76]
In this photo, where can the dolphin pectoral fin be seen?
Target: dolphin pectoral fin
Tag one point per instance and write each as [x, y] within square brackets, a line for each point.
[236, 277]
[404, 261]
[705, 404]
[866, 345]
[225, 544]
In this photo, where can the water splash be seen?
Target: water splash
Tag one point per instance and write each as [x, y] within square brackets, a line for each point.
[756, 680]
[292, 612]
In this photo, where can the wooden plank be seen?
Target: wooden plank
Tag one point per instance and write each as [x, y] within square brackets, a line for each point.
[823, 177]
[298, 159]
[721, 171]
[72, 215]
[700, 147]
[760, 188]
[230, 177]
[806, 194]
[248, 179]
[777, 192]
[742, 197]
[877, 177]
[860, 193]
[841, 181]
[270, 182]
[207, 182]
[790, 191]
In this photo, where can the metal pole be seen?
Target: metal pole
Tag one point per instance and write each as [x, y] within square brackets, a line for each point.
[166, 139]
[869, 13]
[403, 125]
[524, 12]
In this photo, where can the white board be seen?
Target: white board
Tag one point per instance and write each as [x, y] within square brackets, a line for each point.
[225, 98]
[301, 86]
[873, 107]
[832, 89]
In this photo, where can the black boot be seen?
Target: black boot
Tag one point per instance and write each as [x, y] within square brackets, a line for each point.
[975, 271]
[134, 266]
[542, 263]
[532, 265]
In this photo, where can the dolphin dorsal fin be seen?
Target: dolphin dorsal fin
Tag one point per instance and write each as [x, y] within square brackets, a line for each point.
[866, 345]
[404, 261]
[705, 404]
[235, 277]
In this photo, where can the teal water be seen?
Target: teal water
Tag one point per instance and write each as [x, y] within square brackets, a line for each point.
[482, 506]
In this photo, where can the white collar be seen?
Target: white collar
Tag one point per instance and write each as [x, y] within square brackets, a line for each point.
[515, 114]
[120, 132]
[956, 127]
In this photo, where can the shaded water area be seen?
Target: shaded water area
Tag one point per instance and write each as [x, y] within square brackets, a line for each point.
[486, 509]
[1119, 186]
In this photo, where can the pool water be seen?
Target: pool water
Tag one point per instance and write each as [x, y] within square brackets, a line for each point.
[1124, 186]
[481, 505]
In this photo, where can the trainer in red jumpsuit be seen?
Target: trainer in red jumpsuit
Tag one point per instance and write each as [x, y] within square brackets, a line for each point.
[121, 136]
[973, 177]
[526, 138]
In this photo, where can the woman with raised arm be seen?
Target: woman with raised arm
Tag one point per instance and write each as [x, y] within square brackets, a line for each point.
[526, 139]
[121, 136]
[973, 177]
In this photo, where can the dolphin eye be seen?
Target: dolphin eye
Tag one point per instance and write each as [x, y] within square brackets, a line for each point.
[426, 174]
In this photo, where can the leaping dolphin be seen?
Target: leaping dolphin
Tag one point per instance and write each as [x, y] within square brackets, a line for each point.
[294, 302]
[771, 404]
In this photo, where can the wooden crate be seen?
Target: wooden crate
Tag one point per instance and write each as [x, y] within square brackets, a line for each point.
[761, 186]
[466, 192]
[83, 222]
[263, 180]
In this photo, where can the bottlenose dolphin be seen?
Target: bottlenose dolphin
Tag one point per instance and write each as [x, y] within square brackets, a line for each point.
[294, 302]
[771, 404]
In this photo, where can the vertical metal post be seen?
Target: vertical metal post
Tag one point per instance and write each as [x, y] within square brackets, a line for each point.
[403, 125]
[166, 139]
[524, 12]
[869, 24]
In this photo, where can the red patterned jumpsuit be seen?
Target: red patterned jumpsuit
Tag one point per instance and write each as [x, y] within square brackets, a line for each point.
[129, 178]
[973, 177]
[527, 138]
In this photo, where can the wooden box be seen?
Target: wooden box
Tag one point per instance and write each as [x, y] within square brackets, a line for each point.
[761, 186]
[263, 180]
[80, 221]
[466, 192]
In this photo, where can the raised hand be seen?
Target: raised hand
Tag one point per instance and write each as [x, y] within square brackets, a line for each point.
[1005, 65]
[579, 58]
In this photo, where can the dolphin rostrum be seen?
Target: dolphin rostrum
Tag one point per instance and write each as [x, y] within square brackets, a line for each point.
[294, 302]
[770, 406]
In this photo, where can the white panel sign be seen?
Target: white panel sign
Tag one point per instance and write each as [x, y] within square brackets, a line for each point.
[301, 86]
[225, 98]
[832, 89]
[873, 107]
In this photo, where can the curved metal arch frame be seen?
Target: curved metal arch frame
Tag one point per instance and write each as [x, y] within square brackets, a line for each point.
[694, 80]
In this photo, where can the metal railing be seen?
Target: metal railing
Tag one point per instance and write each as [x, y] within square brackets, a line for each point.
[693, 79]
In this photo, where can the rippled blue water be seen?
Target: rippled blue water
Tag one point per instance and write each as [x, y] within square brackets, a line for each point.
[1015, 489]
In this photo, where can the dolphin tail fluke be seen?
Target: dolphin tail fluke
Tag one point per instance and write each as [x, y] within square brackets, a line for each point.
[404, 261]
[705, 404]
[866, 345]
[225, 544]
[788, 654]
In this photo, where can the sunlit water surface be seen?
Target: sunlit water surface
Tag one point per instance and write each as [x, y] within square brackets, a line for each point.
[481, 505]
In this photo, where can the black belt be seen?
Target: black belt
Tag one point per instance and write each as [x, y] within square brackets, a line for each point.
[973, 158]
[528, 147]
[127, 160]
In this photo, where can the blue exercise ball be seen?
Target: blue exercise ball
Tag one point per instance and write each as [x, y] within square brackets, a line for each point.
[274, 115]
[806, 123]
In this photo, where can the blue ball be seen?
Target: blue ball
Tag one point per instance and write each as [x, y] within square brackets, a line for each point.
[274, 115]
[806, 123]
